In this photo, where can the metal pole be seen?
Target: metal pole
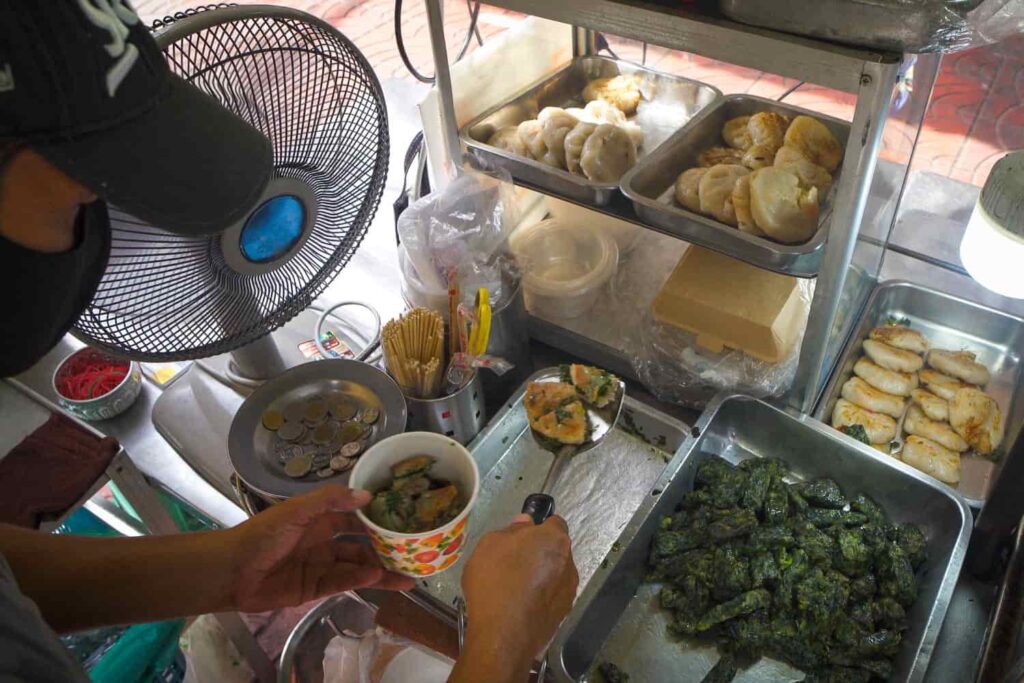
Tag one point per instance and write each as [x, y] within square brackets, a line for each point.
[584, 42]
[873, 99]
[443, 83]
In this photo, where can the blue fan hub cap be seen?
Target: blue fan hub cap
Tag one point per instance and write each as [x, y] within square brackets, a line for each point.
[272, 229]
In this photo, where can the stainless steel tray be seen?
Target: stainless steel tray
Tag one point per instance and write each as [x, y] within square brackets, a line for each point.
[596, 492]
[617, 617]
[949, 323]
[897, 25]
[668, 103]
[651, 186]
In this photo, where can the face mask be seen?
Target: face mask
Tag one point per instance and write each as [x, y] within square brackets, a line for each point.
[45, 293]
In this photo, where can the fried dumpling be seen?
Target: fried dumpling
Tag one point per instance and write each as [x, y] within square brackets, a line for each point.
[735, 133]
[815, 141]
[809, 173]
[607, 154]
[863, 394]
[688, 188]
[741, 207]
[976, 417]
[891, 358]
[941, 433]
[941, 385]
[767, 128]
[507, 138]
[932, 459]
[759, 156]
[783, 209]
[959, 364]
[720, 155]
[530, 133]
[883, 379]
[623, 91]
[879, 428]
[901, 337]
[574, 142]
[715, 191]
[931, 405]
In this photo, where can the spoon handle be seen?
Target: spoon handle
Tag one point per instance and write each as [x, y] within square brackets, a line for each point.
[539, 506]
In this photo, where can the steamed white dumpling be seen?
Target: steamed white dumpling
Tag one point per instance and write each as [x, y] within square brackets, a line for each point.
[574, 142]
[809, 173]
[716, 191]
[530, 134]
[507, 138]
[555, 125]
[608, 153]
[600, 111]
[741, 207]
[785, 210]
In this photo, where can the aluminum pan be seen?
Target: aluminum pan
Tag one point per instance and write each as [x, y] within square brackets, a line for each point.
[512, 466]
[669, 102]
[952, 323]
[651, 186]
[929, 26]
[616, 618]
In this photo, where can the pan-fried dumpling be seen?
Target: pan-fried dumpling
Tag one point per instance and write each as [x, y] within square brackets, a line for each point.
[719, 155]
[716, 191]
[623, 91]
[574, 142]
[607, 154]
[741, 206]
[555, 125]
[810, 174]
[767, 128]
[530, 133]
[688, 188]
[759, 156]
[507, 138]
[815, 141]
[735, 133]
[784, 210]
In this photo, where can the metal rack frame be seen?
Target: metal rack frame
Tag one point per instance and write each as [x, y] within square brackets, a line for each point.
[842, 285]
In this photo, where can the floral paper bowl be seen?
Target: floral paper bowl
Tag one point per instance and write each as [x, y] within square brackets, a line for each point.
[430, 552]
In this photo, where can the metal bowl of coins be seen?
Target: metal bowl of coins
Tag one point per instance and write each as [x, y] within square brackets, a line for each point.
[309, 425]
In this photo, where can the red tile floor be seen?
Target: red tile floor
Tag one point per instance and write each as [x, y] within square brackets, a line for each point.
[976, 113]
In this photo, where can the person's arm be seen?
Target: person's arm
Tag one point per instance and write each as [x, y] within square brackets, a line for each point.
[519, 584]
[284, 556]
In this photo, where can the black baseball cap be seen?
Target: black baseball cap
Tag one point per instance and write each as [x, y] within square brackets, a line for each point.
[85, 85]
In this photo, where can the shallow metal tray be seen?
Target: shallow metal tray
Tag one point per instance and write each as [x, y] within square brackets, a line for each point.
[597, 492]
[250, 445]
[668, 103]
[922, 26]
[617, 617]
[949, 323]
[651, 186]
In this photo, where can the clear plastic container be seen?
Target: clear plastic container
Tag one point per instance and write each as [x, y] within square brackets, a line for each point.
[565, 266]
[625, 234]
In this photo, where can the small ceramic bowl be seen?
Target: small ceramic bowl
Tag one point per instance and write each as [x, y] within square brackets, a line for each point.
[110, 404]
[429, 552]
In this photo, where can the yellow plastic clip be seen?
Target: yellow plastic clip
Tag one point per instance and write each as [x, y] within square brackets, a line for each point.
[481, 330]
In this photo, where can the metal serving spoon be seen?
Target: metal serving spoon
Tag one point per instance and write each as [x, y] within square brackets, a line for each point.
[541, 505]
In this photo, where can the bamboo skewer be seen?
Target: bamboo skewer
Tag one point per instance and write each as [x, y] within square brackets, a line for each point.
[413, 345]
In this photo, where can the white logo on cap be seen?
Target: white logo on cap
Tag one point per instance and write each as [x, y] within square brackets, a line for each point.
[114, 17]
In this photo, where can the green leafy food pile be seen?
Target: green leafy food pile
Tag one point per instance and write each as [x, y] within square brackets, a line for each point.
[796, 572]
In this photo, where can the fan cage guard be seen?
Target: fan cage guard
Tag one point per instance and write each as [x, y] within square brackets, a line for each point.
[315, 96]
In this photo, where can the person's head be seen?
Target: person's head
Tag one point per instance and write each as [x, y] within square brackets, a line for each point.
[89, 109]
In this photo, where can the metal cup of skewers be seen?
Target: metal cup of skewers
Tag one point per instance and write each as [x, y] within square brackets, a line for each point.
[460, 415]
[99, 394]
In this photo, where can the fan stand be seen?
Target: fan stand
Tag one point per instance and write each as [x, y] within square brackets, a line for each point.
[259, 360]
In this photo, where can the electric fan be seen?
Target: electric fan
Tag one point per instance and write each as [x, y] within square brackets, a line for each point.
[315, 97]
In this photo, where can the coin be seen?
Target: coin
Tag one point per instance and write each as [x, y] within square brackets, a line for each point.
[315, 412]
[291, 431]
[324, 433]
[272, 420]
[342, 408]
[351, 450]
[293, 411]
[298, 466]
[325, 473]
[321, 460]
[351, 431]
[370, 415]
[340, 463]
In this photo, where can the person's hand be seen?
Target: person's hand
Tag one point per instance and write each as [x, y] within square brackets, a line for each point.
[291, 553]
[519, 584]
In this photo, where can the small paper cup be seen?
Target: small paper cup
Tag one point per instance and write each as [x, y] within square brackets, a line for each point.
[429, 552]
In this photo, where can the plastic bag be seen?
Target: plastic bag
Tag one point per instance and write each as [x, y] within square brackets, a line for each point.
[211, 656]
[462, 230]
[379, 656]
[676, 370]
